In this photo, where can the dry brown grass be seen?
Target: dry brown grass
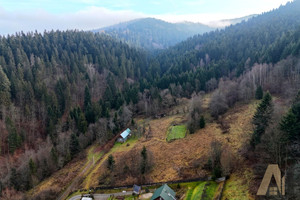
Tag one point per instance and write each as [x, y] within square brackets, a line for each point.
[92, 177]
[239, 120]
[61, 179]
[172, 161]
[237, 187]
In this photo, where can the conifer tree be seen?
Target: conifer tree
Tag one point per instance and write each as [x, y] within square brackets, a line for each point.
[14, 139]
[261, 118]
[110, 163]
[259, 93]
[32, 167]
[290, 123]
[202, 122]
[4, 88]
[87, 97]
[14, 179]
[74, 145]
[144, 164]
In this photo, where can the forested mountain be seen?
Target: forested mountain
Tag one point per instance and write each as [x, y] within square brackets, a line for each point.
[59, 88]
[53, 85]
[267, 38]
[150, 33]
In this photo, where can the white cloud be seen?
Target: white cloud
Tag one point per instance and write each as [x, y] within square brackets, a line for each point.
[197, 18]
[40, 20]
[214, 19]
[97, 17]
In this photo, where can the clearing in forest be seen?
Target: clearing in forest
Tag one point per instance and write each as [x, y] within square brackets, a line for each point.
[176, 132]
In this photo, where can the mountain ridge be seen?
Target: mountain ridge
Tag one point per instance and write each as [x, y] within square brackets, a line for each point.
[151, 33]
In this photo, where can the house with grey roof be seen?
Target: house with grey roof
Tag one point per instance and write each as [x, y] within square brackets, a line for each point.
[137, 189]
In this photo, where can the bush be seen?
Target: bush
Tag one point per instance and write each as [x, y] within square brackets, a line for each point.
[202, 122]
[218, 104]
[216, 173]
[147, 190]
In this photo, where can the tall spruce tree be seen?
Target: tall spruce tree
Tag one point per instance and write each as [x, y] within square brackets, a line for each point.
[14, 140]
[15, 179]
[4, 88]
[87, 97]
[144, 164]
[111, 163]
[261, 118]
[259, 93]
[290, 123]
[74, 145]
[32, 167]
[202, 122]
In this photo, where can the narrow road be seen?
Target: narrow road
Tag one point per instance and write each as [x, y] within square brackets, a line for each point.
[107, 147]
[103, 196]
[65, 194]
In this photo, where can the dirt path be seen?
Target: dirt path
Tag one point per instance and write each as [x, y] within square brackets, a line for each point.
[75, 181]
[91, 164]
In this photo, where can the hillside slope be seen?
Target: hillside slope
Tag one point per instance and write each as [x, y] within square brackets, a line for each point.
[169, 162]
[266, 38]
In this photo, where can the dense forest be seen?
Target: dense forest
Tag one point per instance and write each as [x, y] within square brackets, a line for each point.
[53, 85]
[267, 38]
[58, 88]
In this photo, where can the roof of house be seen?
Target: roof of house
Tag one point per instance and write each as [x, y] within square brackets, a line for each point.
[125, 133]
[165, 192]
[86, 198]
[136, 188]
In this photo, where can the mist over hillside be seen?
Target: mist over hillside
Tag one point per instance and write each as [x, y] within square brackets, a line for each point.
[151, 33]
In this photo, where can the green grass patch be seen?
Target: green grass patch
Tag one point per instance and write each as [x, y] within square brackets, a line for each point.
[211, 190]
[176, 132]
[237, 187]
[198, 191]
[124, 146]
[92, 155]
[195, 192]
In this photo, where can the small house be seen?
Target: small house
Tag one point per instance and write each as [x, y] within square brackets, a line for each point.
[124, 135]
[137, 189]
[164, 193]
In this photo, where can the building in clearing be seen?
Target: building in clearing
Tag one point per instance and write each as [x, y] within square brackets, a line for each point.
[164, 193]
[124, 135]
[137, 189]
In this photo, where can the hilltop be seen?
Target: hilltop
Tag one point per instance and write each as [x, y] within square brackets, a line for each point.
[150, 33]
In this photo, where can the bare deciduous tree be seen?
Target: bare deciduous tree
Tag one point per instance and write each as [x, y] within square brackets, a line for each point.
[218, 104]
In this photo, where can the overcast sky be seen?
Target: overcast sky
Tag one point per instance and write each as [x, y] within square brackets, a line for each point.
[40, 15]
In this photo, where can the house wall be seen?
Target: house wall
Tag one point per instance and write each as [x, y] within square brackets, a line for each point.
[120, 140]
